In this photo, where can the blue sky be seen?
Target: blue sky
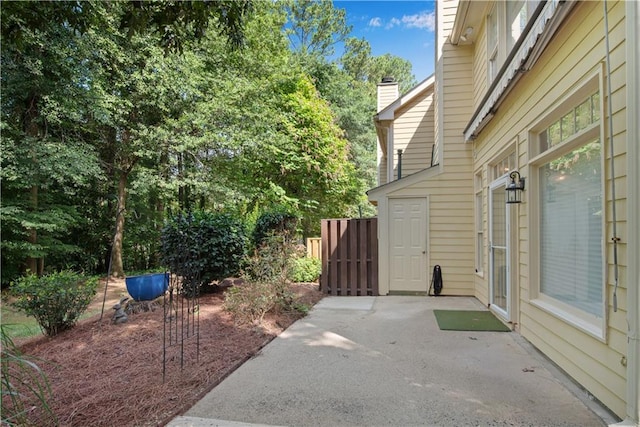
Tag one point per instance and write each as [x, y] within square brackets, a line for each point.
[401, 28]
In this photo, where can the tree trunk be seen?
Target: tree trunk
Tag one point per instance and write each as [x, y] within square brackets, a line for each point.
[34, 265]
[117, 268]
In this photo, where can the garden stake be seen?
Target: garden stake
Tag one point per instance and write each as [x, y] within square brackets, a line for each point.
[183, 308]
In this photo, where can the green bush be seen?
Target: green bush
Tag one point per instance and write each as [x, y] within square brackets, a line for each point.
[277, 222]
[203, 247]
[271, 262]
[55, 300]
[250, 302]
[267, 274]
[306, 269]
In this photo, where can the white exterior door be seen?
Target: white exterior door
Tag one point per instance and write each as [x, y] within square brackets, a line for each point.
[408, 245]
[499, 265]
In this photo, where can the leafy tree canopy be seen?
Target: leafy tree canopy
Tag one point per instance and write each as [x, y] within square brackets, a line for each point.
[117, 115]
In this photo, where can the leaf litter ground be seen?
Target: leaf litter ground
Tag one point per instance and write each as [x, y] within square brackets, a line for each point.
[103, 374]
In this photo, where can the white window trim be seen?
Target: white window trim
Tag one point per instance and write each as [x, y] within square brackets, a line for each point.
[493, 52]
[505, 153]
[590, 324]
[479, 258]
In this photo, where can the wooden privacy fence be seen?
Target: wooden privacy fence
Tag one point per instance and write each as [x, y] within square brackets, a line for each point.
[313, 247]
[349, 257]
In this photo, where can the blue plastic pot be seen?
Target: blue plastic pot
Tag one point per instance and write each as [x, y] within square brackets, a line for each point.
[147, 286]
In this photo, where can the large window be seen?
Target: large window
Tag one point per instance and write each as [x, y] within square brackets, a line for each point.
[570, 210]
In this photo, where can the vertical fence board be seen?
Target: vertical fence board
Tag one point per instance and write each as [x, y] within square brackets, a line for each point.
[324, 272]
[334, 249]
[343, 281]
[363, 258]
[373, 258]
[353, 260]
[349, 256]
[314, 249]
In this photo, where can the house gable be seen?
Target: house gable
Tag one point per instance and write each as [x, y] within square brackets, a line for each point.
[405, 125]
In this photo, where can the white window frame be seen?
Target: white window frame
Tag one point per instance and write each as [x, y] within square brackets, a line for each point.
[479, 224]
[493, 51]
[507, 162]
[588, 323]
[505, 40]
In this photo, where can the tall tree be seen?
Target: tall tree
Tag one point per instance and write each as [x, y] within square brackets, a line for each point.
[47, 72]
[348, 83]
[393, 66]
[358, 63]
[45, 155]
[137, 124]
[315, 27]
[356, 59]
[306, 163]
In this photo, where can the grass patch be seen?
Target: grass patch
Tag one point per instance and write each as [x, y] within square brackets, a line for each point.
[18, 324]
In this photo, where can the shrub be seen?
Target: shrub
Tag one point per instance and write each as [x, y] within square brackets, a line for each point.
[250, 302]
[267, 274]
[271, 261]
[279, 222]
[55, 300]
[306, 269]
[203, 247]
[25, 388]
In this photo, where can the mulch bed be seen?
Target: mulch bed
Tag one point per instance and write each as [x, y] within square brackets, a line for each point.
[103, 374]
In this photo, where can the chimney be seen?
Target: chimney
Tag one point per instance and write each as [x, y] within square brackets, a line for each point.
[387, 92]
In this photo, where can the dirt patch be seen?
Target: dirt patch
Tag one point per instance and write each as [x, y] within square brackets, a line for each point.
[110, 293]
[104, 374]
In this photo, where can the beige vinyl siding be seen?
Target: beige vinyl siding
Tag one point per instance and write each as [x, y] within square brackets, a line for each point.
[480, 81]
[452, 196]
[413, 134]
[387, 98]
[387, 93]
[382, 171]
[450, 231]
[452, 224]
[576, 53]
[448, 187]
[446, 10]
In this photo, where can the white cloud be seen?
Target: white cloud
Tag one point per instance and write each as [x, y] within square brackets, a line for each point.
[375, 22]
[392, 23]
[421, 20]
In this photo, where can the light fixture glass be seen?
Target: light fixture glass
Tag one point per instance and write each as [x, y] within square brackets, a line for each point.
[514, 188]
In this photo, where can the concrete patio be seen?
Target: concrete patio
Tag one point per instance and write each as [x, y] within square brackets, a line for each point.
[383, 361]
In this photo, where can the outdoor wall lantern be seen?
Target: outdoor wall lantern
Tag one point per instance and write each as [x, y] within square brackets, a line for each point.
[515, 188]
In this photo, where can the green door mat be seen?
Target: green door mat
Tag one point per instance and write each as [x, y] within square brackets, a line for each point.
[467, 320]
